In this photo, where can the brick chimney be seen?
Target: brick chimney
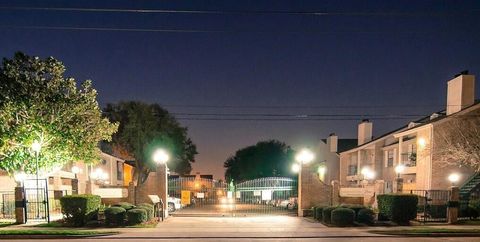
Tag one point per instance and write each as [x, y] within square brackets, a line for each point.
[332, 142]
[364, 131]
[460, 92]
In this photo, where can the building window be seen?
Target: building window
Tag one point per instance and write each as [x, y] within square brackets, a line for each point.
[352, 170]
[119, 170]
[390, 158]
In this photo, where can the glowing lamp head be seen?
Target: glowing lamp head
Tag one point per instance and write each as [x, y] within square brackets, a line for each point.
[399, 168]
[296, 168]
[76, 169]
[20, 177]
[454, 177]
[304, 156]
[160, 156]
[322, 170]
[422, 142]
[36, 146]
[367, 173]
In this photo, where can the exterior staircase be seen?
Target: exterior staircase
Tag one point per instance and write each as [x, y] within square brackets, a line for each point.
[468, 186]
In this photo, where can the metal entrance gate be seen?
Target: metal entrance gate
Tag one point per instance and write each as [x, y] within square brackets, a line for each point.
[432, 205]
[207, 197]
[36, 200]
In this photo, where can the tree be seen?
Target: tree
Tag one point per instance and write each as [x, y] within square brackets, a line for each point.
[37, 103]
[265, 159]
[460, 141]
[146, 127]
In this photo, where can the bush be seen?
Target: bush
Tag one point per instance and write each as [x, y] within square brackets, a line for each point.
[147, 205]
[124, 205]
[366, 216]
[475, 205]
[319, 211]
[79, 209]
[354, 207]
[136, 216]
[399, 208]
[343, 217]
[115, 215]
[149, 210]
[326, 214]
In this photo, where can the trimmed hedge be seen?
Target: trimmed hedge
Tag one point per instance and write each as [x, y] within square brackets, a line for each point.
[319, 211]
[147, 205]
[343, 217]
[148, 209]
[136, 216]
[124, 205]
[475, 205]
[399, 208]
[115, 215]
[354, 207]
[327, 214]
[79, 209]
[366, 216]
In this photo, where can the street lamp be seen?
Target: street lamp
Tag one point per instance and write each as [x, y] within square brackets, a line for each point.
[160, 156]
[399, 169]
[36, 148]
[453, 178]
[296, 168]
[75, 171]
[305, 156]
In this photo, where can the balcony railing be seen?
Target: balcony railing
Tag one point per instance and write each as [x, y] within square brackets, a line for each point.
[409, 159]
[352, 170]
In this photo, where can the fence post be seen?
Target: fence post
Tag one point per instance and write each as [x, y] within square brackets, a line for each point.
[20, 216]
[453, 205]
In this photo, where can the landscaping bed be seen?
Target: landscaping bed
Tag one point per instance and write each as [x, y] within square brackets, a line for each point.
[430, 231]
[51, 234]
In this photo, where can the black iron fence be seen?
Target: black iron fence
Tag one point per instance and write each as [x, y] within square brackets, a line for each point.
[7, 205]
[432, 205]
[270, 195]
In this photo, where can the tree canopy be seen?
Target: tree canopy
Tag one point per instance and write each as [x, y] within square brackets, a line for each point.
[460, 141]
[146, 127]
[37, 103]
[264, 159]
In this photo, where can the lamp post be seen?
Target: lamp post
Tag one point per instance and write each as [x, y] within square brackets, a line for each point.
[305, 156]
[399, 169]
[454, 178]
[75, 171]
[161, 157]
[36, 148]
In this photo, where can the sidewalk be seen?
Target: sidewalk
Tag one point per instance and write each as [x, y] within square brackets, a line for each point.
[245, 227]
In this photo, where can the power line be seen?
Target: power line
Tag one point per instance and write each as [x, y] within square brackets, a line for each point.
[237, 12]
[296, 115]
[186, 30]
[298, 106]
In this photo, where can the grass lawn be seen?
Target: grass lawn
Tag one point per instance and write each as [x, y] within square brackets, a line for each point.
[427, 231]
[63, 232]
[5, 224]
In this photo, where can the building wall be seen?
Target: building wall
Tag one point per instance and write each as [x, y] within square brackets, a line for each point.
[442, 168]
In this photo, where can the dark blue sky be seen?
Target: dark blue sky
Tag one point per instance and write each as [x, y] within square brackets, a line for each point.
[380, 57]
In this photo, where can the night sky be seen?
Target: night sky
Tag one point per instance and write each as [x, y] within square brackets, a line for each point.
[258, 57]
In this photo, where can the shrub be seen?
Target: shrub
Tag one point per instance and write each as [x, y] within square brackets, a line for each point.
[326, 214]
[79, 209]
[354, 207]
[146, 205]
[314, 212]
[399, 208]
[136, 216]
[319, 211]
[366, 216]
[124, 205]
[343, 217]
[475, 205]
[149, 210]
[114, 215]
